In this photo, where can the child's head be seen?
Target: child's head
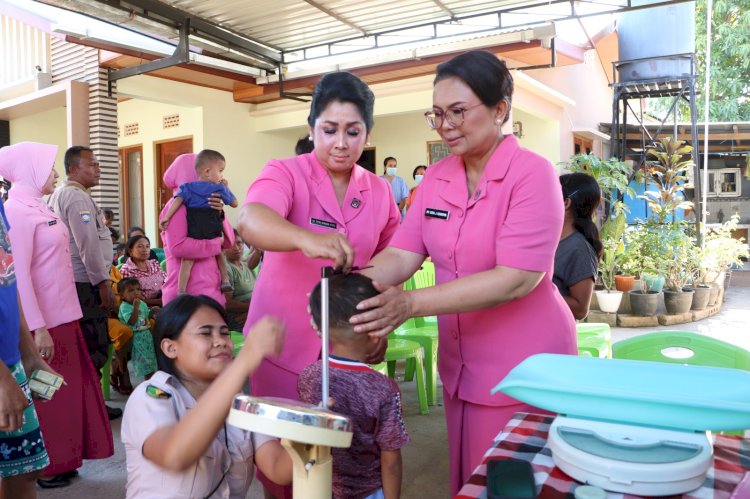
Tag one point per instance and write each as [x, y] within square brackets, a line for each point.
[109, 216]
[345, 291]
[581, 195]
[129, 289]
[209, 165]
[191, 338]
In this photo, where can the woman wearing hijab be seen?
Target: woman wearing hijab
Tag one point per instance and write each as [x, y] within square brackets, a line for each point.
[74, 423]
[205, 278]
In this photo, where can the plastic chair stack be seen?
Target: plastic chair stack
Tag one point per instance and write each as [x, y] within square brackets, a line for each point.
[423, 331]
[594, 339]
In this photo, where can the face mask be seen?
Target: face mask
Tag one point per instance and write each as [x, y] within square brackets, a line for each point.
[418, 178]
[391, 171]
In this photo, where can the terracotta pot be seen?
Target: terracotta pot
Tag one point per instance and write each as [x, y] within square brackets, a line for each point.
[644, 304]
[624, 283]
[677, 302]
[609, 301]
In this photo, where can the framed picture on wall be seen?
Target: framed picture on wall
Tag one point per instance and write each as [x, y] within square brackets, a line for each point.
[436, 151]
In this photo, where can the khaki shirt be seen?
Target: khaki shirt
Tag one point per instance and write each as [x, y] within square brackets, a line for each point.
[146, 413]
[90, 241]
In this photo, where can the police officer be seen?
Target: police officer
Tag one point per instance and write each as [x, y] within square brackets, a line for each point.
[90, 250]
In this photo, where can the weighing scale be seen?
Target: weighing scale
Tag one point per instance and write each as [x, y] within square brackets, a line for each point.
[307, 432]
[632, 426]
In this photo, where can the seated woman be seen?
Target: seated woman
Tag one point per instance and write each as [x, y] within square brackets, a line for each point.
[137, 231]
[174, 427]
[242, 279]
[148, 272]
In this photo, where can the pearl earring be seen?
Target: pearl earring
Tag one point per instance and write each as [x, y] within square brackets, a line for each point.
[497, 121]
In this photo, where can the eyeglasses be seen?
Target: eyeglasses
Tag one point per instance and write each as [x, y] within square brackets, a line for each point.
[455, 116]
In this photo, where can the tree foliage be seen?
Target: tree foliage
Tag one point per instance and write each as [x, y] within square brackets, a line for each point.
[730, 63]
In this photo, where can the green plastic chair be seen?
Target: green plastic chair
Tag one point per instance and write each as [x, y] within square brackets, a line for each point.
[400, 349]
[163, 265]
[105, 372]
[416, 329]
[596, 335]
[239, 341]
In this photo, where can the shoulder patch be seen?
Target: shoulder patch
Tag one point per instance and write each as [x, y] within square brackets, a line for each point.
[85, 216]
[157, 393]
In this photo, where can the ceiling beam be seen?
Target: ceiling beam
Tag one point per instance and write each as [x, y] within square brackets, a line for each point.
[338, 17]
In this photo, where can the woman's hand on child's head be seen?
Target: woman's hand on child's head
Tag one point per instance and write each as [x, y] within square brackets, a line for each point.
[265, 338]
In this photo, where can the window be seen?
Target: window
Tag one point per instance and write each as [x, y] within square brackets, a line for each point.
[725, 182]
[582, 145]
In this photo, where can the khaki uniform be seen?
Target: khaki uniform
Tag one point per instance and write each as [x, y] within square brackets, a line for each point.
[163, 404]
[91, 254]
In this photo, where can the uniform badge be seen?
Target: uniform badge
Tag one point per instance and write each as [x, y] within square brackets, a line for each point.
[85, 217]
[157, 393]
[355, 203]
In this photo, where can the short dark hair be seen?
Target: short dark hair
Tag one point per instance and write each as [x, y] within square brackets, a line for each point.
[172, 320]
[73, 156]
[414, 173]
[304, 145]
[345, 291]
[133, 229]
[132, 241]
[126, 282]
[206, 157]
[109, 212]
[114, 233]
[343, 87]
[486, 75]
[386, 160]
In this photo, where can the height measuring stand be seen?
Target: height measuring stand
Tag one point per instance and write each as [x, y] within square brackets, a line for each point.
[307, 432]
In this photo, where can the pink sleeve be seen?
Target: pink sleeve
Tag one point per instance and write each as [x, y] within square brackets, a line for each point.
[409, 234]
[274, 188]
[22, 240]
[530, 233]
[182, 246]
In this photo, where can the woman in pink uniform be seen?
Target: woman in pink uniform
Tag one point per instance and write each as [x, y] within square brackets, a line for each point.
[205, 278]
[310, 209]
[74, 424]
[490, 216]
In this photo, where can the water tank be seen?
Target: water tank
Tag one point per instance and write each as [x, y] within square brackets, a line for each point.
[656, 32]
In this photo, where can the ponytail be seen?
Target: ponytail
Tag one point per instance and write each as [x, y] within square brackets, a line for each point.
[585, 195]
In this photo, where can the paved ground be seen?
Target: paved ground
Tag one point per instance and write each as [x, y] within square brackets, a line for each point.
[426, 458]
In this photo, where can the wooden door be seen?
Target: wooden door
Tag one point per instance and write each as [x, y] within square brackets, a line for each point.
[131, 173]
[166, 152]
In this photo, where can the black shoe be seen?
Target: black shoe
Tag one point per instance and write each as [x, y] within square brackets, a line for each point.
[113, 412]
[69, 474]
[55, 482]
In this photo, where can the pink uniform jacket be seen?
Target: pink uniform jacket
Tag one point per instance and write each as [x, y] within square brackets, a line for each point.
[40, 238]
[205, 278]
[300, 190]
[514, 219]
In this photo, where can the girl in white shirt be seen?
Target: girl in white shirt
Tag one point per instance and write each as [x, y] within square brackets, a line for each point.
[176, 440]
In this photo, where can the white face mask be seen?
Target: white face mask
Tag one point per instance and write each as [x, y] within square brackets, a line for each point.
[391, 171]
[418, 178]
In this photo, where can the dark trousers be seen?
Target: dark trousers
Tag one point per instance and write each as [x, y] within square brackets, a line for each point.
[204, 223]
[93, 323]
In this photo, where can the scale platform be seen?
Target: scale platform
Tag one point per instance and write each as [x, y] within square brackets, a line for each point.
[292, 420]
[632, 426]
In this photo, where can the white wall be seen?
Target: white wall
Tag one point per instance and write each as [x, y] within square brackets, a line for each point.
[48, 127]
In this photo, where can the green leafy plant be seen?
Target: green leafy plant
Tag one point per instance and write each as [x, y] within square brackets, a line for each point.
[612, 175]
[720, 250]
[645, 242]
[679, 257]
[611, 236]
[667, 165]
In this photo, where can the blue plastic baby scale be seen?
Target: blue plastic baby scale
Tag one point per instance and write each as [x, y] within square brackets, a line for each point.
[632, 426]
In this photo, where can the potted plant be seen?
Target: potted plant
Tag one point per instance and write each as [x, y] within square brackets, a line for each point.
[611, 236]
[702, 291]
[721, 250]
[667, 166]
[678, 271]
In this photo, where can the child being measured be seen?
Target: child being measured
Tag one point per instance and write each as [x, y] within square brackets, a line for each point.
[134, 313]
[371, 467]
[203, 221]
[177, 441]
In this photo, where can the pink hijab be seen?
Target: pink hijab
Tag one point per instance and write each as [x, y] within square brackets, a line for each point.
[27, 166]
[180, 171]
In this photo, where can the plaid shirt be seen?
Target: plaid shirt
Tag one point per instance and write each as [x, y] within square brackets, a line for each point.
[151, 279]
